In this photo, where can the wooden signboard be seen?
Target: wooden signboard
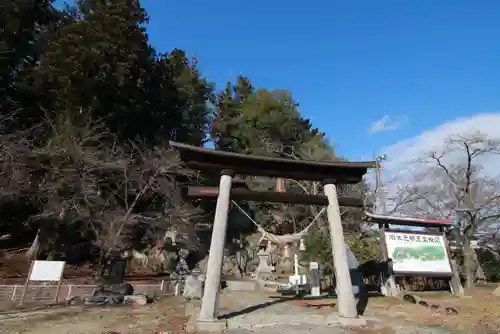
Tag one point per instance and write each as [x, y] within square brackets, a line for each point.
[417, 253]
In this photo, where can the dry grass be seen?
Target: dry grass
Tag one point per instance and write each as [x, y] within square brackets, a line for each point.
[166, 315]
[479, 312]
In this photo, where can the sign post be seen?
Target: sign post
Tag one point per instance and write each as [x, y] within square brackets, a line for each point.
[44, 271]
[414, 253]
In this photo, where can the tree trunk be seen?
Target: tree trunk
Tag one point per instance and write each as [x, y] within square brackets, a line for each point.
[101, 264]
[32, 252]
[469, 263]
[51, 255]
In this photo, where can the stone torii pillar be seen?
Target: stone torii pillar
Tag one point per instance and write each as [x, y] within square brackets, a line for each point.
[345, 297]
[210, 302]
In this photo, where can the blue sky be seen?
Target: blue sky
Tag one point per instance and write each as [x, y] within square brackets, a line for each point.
[422, 63]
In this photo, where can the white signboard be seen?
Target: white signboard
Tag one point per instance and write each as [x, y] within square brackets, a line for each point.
[297, 279]
[417, 253]
[47, 271]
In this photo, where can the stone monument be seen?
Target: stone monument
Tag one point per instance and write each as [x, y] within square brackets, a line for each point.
[264, 270]
[314, 279]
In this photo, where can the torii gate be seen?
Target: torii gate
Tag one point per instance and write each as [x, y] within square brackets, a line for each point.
[228, 164]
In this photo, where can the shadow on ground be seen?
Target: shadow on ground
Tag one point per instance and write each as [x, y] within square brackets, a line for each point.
[253, 308]
[315, 303]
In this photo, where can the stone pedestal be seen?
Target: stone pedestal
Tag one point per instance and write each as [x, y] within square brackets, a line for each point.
[264, 270]
[287, 254]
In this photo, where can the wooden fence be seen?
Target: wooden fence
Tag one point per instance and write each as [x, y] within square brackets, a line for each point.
[47, 293]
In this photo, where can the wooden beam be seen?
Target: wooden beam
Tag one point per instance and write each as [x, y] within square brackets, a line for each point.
[342, 176]
[406, 221]
[270, 196]
[210, 160]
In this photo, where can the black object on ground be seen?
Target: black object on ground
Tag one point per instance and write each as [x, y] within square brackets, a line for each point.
[105, 294]
[121, 289]
[303, 289]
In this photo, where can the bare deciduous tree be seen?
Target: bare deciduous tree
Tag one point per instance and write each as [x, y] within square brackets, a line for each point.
[84, 181]
[452, 182]
[73, 172]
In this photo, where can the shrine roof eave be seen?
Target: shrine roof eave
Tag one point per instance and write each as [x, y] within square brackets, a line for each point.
[406, 221]
[211, 160]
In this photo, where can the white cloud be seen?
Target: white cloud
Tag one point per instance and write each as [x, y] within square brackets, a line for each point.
[405, 151]
[398, 168]
[387, 124]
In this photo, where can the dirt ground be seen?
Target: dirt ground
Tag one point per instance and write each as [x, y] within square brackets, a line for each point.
[479, 313]
[164, 316]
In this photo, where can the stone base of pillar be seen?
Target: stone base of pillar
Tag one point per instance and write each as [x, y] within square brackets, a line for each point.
[215, 326]
[196, 325]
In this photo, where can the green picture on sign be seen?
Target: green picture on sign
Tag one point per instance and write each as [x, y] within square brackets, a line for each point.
[422, 253]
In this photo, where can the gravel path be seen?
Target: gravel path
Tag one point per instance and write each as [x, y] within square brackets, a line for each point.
[266, 315]
[283, 329]
[291, 330]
